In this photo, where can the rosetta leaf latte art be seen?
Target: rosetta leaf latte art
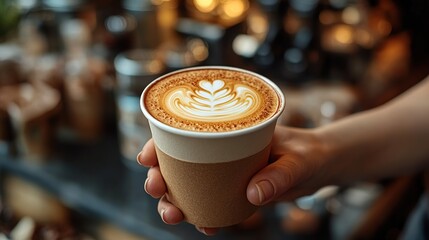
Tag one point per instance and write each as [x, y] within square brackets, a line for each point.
[212, 101]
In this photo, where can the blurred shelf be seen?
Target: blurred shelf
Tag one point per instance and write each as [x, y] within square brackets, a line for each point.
[92, 179]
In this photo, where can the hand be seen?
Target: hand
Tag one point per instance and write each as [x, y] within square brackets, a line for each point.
[297, 162]
[295, 170]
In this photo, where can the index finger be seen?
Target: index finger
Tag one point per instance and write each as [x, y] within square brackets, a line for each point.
[147, 156]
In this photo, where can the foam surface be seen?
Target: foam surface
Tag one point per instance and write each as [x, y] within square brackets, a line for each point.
[211, 100]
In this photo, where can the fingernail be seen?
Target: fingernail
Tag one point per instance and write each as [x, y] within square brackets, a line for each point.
[265, 191]
[145, 184]
[138, 158]
[162, 215]
[201, 230]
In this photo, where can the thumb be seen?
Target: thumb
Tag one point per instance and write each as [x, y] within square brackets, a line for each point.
[273, 181]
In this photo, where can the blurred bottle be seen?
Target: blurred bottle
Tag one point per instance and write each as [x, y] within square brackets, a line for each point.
[144, 15]
[135, 69]
[300, 56]
[255, 42]
[84, 74]
[9, 75]
[33, 110]
[140, 24]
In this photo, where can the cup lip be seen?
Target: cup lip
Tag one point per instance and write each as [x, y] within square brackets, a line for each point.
[195, 134]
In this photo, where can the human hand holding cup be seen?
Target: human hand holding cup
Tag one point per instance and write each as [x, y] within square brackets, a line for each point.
[212, 128]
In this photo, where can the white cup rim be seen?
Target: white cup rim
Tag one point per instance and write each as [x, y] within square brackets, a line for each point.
[233, 133]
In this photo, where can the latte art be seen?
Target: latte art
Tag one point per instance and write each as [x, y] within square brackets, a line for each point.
[212, 101]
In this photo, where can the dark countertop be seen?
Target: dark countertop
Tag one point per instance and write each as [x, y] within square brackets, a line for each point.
[92, 179]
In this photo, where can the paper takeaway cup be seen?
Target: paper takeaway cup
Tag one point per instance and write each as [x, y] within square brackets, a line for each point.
[207, 173]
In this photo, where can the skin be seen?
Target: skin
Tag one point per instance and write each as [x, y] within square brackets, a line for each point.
[387, 141]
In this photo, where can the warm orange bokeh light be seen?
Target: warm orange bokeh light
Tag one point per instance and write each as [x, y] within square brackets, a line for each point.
[233, 8]
[205, 6]
[343, 34]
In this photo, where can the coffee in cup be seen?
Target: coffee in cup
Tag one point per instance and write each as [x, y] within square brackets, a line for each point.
[212, 127]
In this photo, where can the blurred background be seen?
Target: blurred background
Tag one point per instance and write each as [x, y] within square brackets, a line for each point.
[71, 74]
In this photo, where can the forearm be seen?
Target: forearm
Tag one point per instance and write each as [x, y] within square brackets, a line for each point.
[388, 141]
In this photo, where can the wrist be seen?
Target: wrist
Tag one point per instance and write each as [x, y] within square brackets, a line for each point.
[328, 151]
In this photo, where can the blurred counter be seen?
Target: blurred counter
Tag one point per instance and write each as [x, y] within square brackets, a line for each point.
[92, 180]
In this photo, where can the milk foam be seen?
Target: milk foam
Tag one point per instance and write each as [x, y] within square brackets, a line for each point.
[212, 101]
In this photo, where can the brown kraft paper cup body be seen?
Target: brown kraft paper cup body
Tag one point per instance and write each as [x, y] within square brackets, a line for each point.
[211, 194]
